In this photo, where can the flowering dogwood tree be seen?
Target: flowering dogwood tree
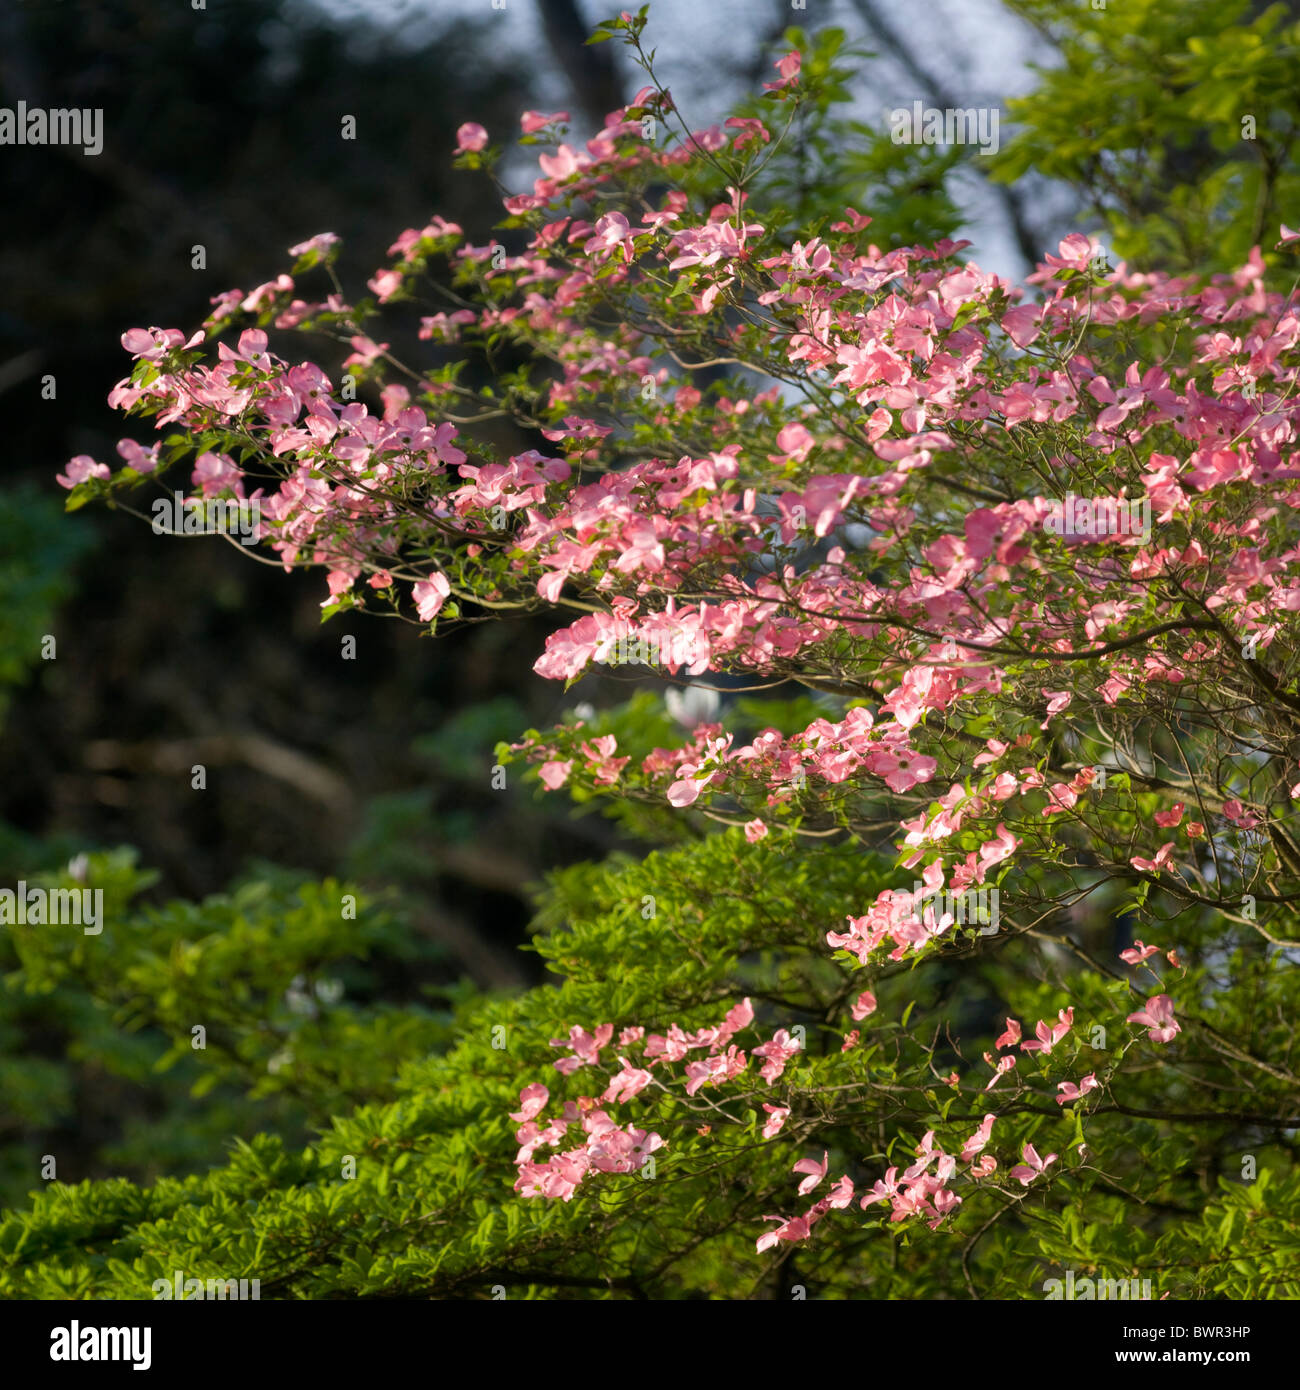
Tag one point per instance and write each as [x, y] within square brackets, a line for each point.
[1032, 554]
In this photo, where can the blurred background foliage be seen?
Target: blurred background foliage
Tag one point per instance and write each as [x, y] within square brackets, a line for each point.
[225, 133]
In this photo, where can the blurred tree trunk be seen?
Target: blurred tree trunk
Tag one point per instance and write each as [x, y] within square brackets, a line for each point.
[592, 72]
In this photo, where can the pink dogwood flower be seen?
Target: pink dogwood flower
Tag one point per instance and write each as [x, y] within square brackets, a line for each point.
[816, 1172]
[430, 594]
[1048, 1035]
[79, 469]
[1070, 1092]
[776, 1118]
[1153, 866]
[532, 121]
[864, 1004]
[532, 1099]
[1158, 1019]
[471, 136]
[978, 1140]
[1032, 1167]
